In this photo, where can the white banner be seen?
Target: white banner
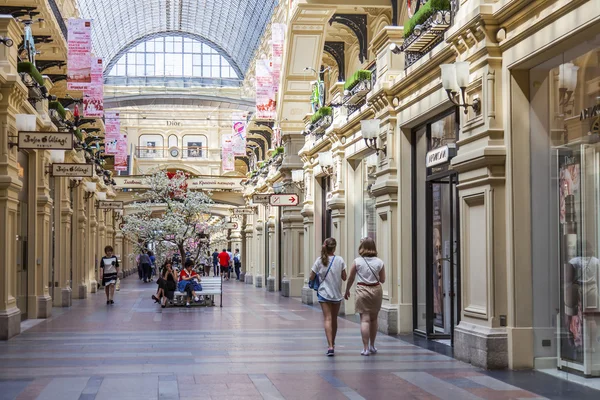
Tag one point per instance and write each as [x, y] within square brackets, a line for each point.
[93, 96]
[265, 90]
[112, 129]
[277, 40]
[238, 141]
[79, 63]
[227, 157]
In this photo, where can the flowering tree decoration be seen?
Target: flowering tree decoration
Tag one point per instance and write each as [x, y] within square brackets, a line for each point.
[170, 216]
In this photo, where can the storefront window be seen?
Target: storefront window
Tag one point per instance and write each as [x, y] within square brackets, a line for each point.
[369, 221]
[565, 170]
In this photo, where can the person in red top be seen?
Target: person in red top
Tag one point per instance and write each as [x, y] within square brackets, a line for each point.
[224, 263]
[189, 282]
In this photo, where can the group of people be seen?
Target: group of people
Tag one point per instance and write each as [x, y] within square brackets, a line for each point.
[146, 265]
[327, 276]
[225, 261]
[186, 281]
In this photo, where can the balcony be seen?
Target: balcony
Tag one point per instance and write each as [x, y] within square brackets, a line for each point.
[173, 152]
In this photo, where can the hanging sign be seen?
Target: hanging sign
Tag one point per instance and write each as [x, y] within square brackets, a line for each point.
[439, 156]
[265, 93]
[72, 170]
[277, 40]
[93, 96]
[261, 198]
[121, 156]
[243, 211]
[284, 199]
[110, 205]
[46, 140]
[79, 63]
[112, 132]
[196, 183]
[227, 156]
[238, 140]
[232, 225]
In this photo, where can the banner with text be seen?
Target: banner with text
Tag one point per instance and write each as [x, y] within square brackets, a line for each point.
[227, 157]
[112, 129]
[239, 135]
[265, 93]
[93, 96]
[79, 63]
[121, 156]
[277, 42]
[195, 183]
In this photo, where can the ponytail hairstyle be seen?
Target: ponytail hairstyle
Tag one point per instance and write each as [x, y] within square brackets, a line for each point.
[328, 247]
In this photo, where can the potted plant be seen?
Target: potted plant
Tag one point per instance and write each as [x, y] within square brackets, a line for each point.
[32, 79]
[357, 87]
[425, 12]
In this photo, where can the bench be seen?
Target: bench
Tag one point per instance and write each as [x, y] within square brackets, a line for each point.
[211, 287]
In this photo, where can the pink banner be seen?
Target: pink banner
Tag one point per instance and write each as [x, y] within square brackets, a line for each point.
[121, 156]
[238, 141]
[79, 63]
[112, 132]
[277, 40]
[265, 90]
[93, 96]
[227, 157]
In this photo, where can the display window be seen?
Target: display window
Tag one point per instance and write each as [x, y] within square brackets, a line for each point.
[565, 170]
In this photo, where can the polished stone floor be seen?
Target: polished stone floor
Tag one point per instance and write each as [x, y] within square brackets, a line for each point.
[258, 346]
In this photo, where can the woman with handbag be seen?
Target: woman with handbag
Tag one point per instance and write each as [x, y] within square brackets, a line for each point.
[370, 274]
[167, 284]
[326, 278]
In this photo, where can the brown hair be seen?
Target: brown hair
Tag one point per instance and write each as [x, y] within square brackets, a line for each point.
[367, 248]
[328, 247]
[108, 248]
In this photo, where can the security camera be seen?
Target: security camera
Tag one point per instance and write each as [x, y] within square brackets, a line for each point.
[395, 49]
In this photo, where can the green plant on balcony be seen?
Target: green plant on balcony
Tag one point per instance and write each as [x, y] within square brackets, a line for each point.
[426, 11]
[78, 134]
[31, 70]
[278, 150]
[55, 105]
[321, 112]
[356, 78]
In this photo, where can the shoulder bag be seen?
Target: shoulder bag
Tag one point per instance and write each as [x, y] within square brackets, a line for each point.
[373, 272]
[315, 283]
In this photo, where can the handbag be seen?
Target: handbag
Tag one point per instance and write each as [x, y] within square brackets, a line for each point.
[373, 272]
[315, 283]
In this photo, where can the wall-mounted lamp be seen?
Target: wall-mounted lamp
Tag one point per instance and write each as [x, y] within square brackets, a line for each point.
[8, 42]
[57, 156]
[370, 132]
[101, 196]
[326, 162]
[567, 82]
[455, 79]
[90, 189]
[298, 178]
[394, 48]
[75, 182]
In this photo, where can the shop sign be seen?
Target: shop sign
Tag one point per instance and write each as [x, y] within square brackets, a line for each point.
[439, 156]
[73, 170]
[261, 198]
[110, 205]
[243, 211]
[46, 140]
[284, 200]
[201, 183]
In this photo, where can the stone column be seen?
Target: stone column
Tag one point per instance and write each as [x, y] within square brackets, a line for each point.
[273, 279]
[110, 230]
[260, 249]
[62, 244]
[93, 241]
[14, 94]
[308, 213]
[249, 251]
[80, 269]
[292, 251]
[102, 239]
[337, 204]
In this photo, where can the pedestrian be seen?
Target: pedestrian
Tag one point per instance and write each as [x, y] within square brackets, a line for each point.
[139, 266]
[189, 282]
[369, 272]
[237, 263]
[167, 283]
[331, 271]
[215, 260]
[224, 264]
[230, 269]
[146, 265]
[206, 263]
[152, 264]
[109, 270]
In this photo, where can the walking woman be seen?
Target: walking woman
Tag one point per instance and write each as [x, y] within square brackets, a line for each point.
[331, 270]
[109, 267]
[369, 272]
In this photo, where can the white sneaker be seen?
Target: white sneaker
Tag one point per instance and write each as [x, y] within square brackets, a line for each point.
[364, 353]
[196, 299]
[373, 349]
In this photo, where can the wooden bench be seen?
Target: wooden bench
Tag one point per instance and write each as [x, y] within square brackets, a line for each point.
[211, 287]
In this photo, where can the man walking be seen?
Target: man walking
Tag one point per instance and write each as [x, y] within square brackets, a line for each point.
[146, 266]
[237, 263]
[215, 261]
[224, 263]
[230, 270]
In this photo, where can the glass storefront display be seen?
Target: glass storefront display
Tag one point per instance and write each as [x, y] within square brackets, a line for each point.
[565, 170]
[436, 262]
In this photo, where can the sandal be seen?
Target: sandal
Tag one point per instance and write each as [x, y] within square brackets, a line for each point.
[156, 300]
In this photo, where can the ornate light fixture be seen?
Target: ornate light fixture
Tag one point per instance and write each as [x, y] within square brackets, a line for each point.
[567, 82]
[298, 178]
[326, 162]
[75, 182]
[90, 190]
[370, 131]
[455, 79]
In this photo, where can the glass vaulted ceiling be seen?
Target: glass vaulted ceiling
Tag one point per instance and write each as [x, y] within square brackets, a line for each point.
[233, 26]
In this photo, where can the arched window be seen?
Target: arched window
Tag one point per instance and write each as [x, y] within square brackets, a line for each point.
[173, 56]
[195, 146]
[151, 146]
[173, 141]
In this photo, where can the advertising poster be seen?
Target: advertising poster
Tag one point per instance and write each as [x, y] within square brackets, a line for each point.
[277, 40]
[227, 157]
[438, 261]
[93, 96]
[265, 93]
[238, 141]
[79, 61]
[112, 128]
[121, 156]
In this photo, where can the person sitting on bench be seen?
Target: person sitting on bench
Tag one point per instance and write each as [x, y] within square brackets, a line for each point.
[189, 282]
[167, 283]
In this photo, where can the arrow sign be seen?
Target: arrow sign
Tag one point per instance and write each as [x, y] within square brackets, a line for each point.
[284, 200]
[231, 225]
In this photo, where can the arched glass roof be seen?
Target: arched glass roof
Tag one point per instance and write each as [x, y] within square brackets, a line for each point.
[233, 26]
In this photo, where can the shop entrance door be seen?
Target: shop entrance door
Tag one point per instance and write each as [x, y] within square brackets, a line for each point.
[22, 281]
[443, 261]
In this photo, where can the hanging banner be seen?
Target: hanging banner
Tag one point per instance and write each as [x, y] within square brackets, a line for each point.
[112, 129]
[265, 93]
[121, 156]
[227, 157]
[79, 63]
[238, 141]
[276, 139]
[93, 96]
[277, 40]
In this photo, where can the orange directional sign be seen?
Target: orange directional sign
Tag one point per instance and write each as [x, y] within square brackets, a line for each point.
[284, 199]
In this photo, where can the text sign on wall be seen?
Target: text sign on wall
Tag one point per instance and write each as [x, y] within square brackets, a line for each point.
[284, 199]
[261, 198]
[198, 183]
[46, 140]
[439, 156]
[243, 211]
[110, 205]
[73, 170]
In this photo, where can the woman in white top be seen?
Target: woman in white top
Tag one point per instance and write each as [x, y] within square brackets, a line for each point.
[332, 271]
[109, 271]
[369, 272]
